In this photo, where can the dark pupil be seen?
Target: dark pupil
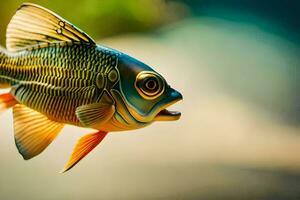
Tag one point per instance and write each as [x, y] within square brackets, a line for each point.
[150, 84]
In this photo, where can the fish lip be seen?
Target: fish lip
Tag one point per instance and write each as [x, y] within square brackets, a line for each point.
[166, 115]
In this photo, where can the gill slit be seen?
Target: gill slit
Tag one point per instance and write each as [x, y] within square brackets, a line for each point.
[115, 100]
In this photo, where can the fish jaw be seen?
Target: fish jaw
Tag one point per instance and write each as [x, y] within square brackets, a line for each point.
[166, 115]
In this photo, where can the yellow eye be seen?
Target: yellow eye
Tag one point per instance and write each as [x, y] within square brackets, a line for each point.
[149, 84]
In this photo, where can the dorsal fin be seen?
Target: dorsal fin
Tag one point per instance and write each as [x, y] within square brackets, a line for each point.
[33, 24]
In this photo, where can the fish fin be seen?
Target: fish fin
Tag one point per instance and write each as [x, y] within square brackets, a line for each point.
[7, 101]
[96, 113]
[33, 24]
[33, 131]
[84, 146]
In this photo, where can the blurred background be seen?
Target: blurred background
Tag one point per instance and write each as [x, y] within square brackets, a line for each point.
[237, 66]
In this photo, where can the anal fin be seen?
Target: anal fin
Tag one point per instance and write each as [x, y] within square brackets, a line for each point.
[33, 131]
[85, 145]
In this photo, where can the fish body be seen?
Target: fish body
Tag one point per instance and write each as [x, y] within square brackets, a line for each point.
[57, 79]
[58, 75]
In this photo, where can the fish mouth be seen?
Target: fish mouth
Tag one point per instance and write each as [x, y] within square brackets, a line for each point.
[167, 115]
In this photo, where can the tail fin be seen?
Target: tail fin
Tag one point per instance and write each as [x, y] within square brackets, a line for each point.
[6, 101]
[4, 81]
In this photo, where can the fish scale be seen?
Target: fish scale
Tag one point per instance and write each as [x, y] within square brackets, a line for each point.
[44, 81]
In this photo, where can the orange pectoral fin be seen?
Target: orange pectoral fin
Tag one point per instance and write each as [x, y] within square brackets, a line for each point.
[85, 145]
[7, 101]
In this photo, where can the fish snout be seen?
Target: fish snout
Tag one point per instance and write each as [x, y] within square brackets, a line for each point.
[168, 115]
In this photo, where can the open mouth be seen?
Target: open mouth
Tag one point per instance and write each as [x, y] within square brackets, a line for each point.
[168, 115]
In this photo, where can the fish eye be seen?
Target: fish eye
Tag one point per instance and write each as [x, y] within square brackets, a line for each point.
[149, 84]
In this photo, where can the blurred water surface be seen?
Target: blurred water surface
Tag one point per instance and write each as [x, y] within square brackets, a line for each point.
[238, 138]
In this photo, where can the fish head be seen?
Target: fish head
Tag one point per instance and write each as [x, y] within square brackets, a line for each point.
[144, 94]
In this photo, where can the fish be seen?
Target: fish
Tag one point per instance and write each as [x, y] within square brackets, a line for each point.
[56, 75]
